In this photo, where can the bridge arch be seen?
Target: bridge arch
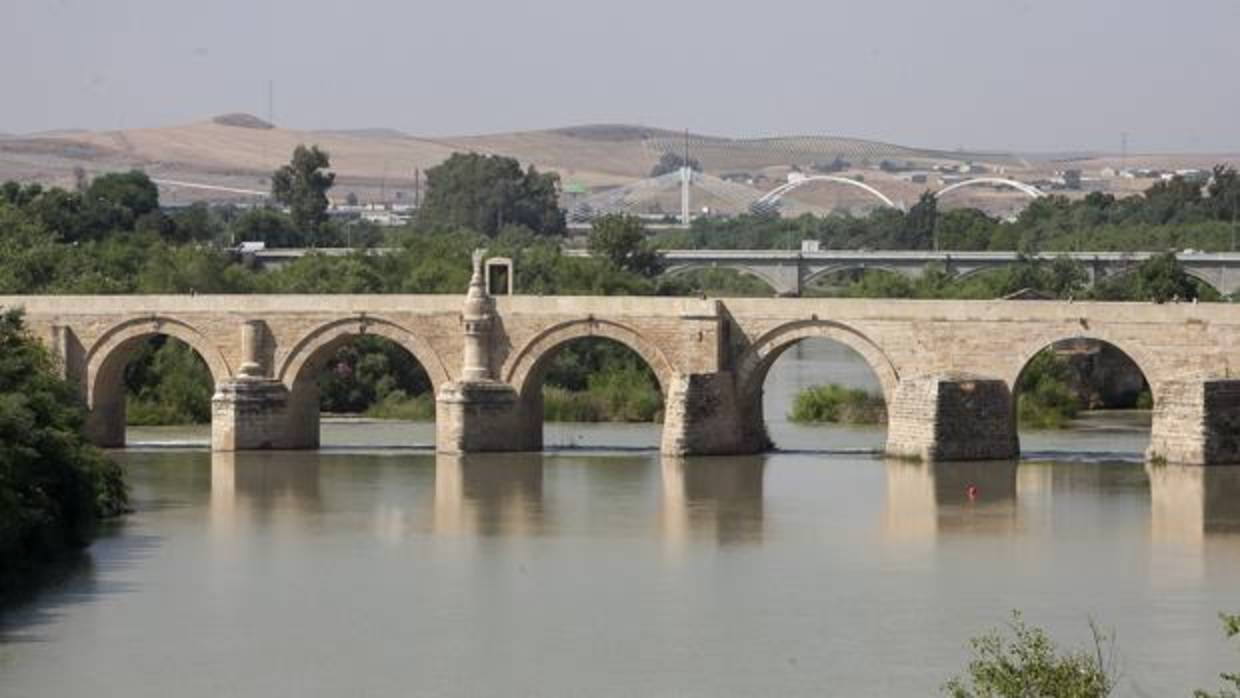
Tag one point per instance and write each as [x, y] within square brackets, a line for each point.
[1147, 362]
[105, 363]
[775, 286]
[1198, 275]
[772, 197]
[318, 344]
[1026, 189]
[524, 369]
[758, 358]
[824, 272]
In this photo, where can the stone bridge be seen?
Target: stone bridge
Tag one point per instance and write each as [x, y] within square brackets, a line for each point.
[947, 368]
[788, 272]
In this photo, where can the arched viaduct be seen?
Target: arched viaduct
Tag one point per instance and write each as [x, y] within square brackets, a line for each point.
[788, 272]
[947, 368]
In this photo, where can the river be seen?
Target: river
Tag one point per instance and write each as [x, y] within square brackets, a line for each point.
[376, 568]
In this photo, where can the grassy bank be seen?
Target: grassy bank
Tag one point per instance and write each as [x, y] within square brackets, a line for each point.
[837, 404]
[398, 405]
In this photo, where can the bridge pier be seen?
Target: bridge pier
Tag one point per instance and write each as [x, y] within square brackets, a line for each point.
[1196, 422]
[702, 416]
[254, 411]
[484, 416]
[952, 417]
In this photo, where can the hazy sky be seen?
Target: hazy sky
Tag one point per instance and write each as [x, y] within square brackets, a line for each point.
[1006, 74]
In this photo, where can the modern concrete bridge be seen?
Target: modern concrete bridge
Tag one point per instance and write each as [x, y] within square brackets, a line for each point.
[787, 272]
[947, 368]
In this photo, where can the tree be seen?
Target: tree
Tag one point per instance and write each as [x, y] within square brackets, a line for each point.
[673, 162]
[1231, 626]
[266, 225]
[484, 193]
[1224, 191]
[919, 224]
[621, 240]
[29, 255]
[132, 190]
[302, 185]
[1030, 665]
[1162, 278]
[54, 486]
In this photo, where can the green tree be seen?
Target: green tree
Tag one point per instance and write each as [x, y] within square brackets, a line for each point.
[621, 240]
[919, 225]
[302, 185]
[54, 486]
[1162, 278]
[266, 225]
[29, 255]
[1231, 626]
[485, 193]
[1029, 665]
[168, 383]
[132, 190]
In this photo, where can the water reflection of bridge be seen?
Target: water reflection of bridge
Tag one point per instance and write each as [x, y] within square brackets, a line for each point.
[724, 500]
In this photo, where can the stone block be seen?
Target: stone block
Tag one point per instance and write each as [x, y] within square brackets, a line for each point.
[952, 418]
[249, 414]
[482, 416]
[702, 416]
[1196, 422]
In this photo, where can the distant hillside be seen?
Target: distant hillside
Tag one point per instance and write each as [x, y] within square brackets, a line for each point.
[239, 151]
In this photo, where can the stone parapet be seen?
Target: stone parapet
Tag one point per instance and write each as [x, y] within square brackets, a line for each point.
[1196, 422]
[952, 418]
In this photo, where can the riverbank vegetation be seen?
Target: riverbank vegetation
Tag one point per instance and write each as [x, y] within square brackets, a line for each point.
[54, 487]
[837, 404]
[1231, 628]
[1044, 399]
[600, 380]
[1024, 661]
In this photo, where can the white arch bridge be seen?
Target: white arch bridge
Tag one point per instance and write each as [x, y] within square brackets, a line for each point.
[630, 197]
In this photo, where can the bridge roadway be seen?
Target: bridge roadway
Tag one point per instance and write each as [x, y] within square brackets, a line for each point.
[947, 368]
[788, 272]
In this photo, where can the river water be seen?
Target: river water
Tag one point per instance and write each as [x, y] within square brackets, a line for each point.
[376, 568]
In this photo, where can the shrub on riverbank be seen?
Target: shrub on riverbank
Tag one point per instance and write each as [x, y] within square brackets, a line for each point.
[1045, 400]
[54, 487]
[621, 393]
[1231, 626]
[1028, 663]
[836, 403]
[398, 405]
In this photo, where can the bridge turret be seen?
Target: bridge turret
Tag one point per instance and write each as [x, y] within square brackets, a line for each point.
[479, 316]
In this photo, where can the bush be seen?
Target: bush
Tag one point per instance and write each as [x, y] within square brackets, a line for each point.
[1231, 626]
[1045, 399]
[835, 403]
[398, 405]
[54, 487]
[1029, 664]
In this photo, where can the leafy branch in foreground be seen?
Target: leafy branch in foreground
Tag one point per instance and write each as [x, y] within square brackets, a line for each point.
[1231, 626]
[1029, 665]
